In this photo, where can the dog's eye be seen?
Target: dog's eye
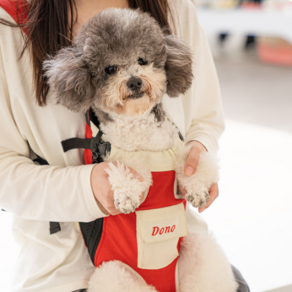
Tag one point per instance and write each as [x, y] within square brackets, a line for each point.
[142, 62]
[110, 69]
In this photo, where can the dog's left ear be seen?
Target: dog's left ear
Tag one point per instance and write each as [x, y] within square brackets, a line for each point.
[178, 66]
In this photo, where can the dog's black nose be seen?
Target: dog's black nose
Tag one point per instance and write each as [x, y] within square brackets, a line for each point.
[134, 83]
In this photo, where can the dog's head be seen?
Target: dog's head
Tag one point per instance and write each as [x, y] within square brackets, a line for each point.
[121, 62]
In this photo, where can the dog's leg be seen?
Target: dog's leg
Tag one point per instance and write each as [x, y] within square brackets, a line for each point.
[203, 267]
[115, 276]
[197, 185]
[128, 189]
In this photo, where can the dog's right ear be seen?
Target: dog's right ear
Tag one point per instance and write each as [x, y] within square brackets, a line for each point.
[69, 77]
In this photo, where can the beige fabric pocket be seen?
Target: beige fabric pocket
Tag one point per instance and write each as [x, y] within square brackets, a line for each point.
[158, 232]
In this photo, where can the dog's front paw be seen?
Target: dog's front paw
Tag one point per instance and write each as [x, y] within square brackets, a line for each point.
[199, 198]
[197, 186]
[127, 187]
[126, 202]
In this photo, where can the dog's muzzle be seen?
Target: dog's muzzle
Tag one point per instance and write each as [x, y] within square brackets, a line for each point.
[137, 95]
[135, 84]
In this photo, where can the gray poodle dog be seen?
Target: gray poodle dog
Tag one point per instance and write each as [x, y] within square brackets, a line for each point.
[120, 65]
[110, 48]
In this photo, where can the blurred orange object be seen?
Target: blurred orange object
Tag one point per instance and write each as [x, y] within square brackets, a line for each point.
[274, 51]
[250, 5]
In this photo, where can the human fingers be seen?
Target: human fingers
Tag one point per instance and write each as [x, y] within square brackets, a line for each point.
[214, 193]
[108, 202]
[182, 190]
[135, 174]
[102, 190]
[193, 157]
[192, 161]
[138, 176]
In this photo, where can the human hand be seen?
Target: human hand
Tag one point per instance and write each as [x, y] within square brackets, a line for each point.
[102, 189]
[190, 168]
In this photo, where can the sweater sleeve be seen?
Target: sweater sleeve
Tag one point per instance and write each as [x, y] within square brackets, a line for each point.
[202, 103]
[49, 193]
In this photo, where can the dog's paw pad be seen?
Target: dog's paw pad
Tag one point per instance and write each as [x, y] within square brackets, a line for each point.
[126, 204]
[199, 199]
[207, 196]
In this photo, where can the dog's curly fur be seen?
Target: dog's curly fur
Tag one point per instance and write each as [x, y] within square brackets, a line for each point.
[115, 38]
[121, 64]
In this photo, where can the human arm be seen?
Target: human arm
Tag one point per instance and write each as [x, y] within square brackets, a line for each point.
[51, 193]
[204, 133]
[202, 103]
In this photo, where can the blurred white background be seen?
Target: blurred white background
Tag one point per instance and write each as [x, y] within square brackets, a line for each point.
[252, 218]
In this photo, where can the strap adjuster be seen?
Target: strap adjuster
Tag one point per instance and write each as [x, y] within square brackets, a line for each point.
[99, 148]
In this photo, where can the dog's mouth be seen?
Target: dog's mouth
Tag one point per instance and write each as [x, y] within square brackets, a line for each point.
[136, 95]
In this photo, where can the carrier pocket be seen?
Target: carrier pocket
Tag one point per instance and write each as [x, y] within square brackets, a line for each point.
[158, 232]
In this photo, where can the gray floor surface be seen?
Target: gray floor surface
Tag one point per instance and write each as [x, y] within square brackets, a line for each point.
[257, 93]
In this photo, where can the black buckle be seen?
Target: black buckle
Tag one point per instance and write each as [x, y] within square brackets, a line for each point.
[99, 148]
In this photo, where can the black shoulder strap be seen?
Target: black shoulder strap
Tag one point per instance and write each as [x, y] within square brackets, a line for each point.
[75, 143]
[98, 147]
[40, 160]
[91, 117]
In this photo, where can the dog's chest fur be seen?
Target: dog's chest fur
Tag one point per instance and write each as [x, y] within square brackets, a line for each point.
[140, 133]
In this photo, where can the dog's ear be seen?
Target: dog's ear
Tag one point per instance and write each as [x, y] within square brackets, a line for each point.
[70, 78]
[178, 66]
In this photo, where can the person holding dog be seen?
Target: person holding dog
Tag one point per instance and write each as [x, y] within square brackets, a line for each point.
[67, 191]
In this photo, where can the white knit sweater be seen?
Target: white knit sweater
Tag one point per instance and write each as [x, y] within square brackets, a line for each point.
[62, 192]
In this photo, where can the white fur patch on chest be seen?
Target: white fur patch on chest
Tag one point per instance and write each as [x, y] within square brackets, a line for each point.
[140, 134]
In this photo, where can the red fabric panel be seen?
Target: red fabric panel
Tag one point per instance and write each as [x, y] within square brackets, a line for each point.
[118, 241]
[87, 152]
[161, 192]
[18, 9]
